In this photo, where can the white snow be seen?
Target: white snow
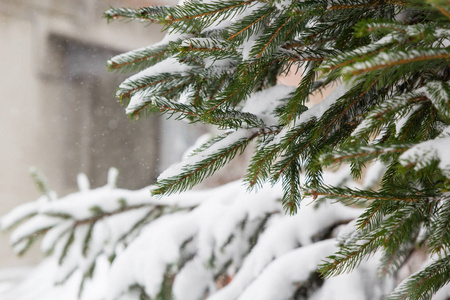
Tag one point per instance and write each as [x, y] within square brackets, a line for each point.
[374, 173]
[383, 58]
[439, 97]
[263, 103]
[35, 224]
[217, 217]
[403, 119]
[283, 4]
[361, 284]
[83, 182]
[193, 281]
[21, 212]
[443, 293]
[248, 45]
[213, 223]
[170, 65]
[400, 102]
[279, 279]
[423, 153]
[144, 260]
[283, 234]
[54, 234]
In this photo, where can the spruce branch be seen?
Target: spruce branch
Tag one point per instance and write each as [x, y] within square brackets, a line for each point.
[207, 48]
[350, 256]
[174, 108]
[204, 164]
[154, 14]
[390, 60]
[439, 233]
[259, 168]
[260, 165]
[151, 99]
[139, 59]
[291, 186]
[394, 259]
[295, 105]
[276, 34]
[363, 4]
[238, 89]
[358, 151]
[424, 283]
[387, 60]
[130, 87]
[232, 119]
[197, 15]
[242, 30]
[359, 197]
[439, 94]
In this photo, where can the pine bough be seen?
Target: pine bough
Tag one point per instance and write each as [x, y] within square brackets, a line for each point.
[219, 64]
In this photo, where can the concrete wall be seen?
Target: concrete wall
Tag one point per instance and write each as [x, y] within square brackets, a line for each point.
[58, 111]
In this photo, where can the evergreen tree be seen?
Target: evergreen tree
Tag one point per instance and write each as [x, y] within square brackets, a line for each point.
[219, 65]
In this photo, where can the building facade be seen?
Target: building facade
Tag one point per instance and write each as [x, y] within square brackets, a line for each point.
[58, 109]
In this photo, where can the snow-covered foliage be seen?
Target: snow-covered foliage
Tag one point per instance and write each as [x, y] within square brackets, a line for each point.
[219, 64]
[188, 246]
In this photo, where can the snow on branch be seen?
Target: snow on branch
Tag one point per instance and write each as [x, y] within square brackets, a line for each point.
[424, 154]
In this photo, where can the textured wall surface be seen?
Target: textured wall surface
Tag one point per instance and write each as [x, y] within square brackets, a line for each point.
[58, 110]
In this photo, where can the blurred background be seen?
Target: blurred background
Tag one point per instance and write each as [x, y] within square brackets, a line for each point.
[58, 111]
